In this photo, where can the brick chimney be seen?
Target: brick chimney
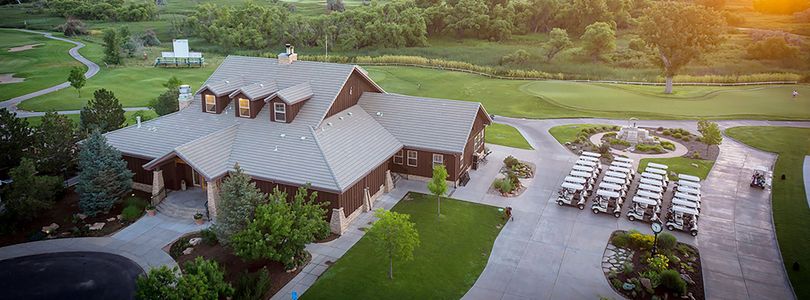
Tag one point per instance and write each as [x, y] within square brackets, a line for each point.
[289, 56]
[185, 97]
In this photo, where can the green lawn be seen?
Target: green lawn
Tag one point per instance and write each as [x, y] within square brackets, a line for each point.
[568, 133]
[35, 121]
[505, 135]
[454, 250]
[681, 165]
[791, 214]
[42, 67]
[560, 99]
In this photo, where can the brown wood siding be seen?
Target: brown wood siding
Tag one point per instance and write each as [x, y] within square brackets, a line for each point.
[135, 165]
[170, 176]
[352, 198]
[323, 197]
[354, 87]
[255, 105]
[222, 101]
[183, 172]
[481, 121]
[292, 110]
[424, 164]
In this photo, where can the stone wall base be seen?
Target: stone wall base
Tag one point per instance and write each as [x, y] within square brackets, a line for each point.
[340, 221]
[425, 179]
[141, 187]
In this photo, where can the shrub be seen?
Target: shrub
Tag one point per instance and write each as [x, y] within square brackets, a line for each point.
[640, 241]
[686, 138]
[72, 27]
[518, 57]
[653, 276]
[209, 237]
[658, 263]
[667, 241]
[252, 286]
[504, 185]
[617, 284]
[627, 268]
[659, 129]
[677, 135]
[696, 155]
[621, 240]
[774, 47]
[667, 145]
[177, 248]
[672, 280]
[652, 148]
[131, 213]
[510, 161]
[637, 44]
[666, 132]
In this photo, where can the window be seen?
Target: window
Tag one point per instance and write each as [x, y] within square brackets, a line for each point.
[479, 141]
[244, 107]
[438, 159]
[280, 111]
[398, 157]
[412, 158]
[210, 103]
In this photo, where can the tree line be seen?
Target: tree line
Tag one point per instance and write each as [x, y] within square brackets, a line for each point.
[105, 10]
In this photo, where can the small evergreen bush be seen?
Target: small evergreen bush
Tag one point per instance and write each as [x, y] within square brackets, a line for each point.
[667, 241]
[131, 213]
[252, 286]
[672, 280]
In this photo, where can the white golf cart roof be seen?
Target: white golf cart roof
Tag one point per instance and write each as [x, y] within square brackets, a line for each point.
[685, 196]
[652, 182]
[648, 194]
[572, 179]
[655, 171]
[658, 166]
[587, 163]
[619, 169]
[581, 174]
[651, 188]
[623, 159]
[685, 210]
[572, 186]
[616, 174]
[621, 164]
[606, 193]
[646, 201]
[688, 177]
[589, 158]
[652, 176]
[582, 168]
[613, 180]
[691, 184]
[609, 186]
[591, 154]
[679, 202]
[762, 169]
[689, 190]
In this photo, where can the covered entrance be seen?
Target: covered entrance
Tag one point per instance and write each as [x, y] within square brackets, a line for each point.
[180, 191]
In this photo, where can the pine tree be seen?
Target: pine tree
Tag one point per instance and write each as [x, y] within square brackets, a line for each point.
[15, 139]
[55, 143]
[166, 103]
[103, 113]
[238, 199]
[103, 176]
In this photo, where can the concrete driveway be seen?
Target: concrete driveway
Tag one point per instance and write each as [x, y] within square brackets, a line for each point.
[553, 252]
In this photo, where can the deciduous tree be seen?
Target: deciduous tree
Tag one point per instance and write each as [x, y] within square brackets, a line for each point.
[238, 199]
[202, 279]
[679, 32]
[557, 41]
[55, 144]
[395, 236]
[15, 139]
[112, 47]
[76, 79]
[29, 193]
[103, 112]
[711, 134]
[438, 185]
[103, 175]
[599, 38]
[466, 16]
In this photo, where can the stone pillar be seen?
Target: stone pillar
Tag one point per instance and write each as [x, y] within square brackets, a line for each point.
[366, 200]
[212, 189]
[389, 182]
[158, 188]
[337, 221]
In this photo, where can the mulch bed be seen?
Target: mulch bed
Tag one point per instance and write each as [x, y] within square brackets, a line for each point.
[62, 213]
[693, 145]
[234, 266]
[696, 290]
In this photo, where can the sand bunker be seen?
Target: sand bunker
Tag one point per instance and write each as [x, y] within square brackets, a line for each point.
[9, 78]
[23, 48]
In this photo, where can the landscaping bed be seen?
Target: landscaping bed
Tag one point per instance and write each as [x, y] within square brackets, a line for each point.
[696, 149]
[576, 137]
[673, 272]
[65, 213]
[235, 267]
[507, 183]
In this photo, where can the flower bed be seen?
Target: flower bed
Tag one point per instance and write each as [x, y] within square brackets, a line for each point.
[695, 148]
[508, 182]
[581, 142]
[673, 272]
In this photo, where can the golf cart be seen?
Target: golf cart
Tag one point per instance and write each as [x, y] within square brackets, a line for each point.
[649, 195]
[644, 209]
[684, 219]
[687, 183]
[688, 190]
[617, 181]
[622, 170]
[618, 175]
[592, 159]
[658, 166]
[684, 203]
[585, 169]
[580, 181]
[612, 187]
[588, 163]
[571, 194]
[687, 197]
[623, 159]
[656, 177]
[651, 188]
[591, 154]
[607, 201]
[622, 164]
[587, 176]
[761, 177]
[652, 182]
[688, 177]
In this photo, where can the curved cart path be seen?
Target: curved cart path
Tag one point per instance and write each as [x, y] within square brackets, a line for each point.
[92, 69]
[552, 252]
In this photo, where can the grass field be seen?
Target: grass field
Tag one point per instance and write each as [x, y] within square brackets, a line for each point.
[680, 165]
[454, 250]
[505, 135]
[559, 99]
[43, 66]
[791, 214]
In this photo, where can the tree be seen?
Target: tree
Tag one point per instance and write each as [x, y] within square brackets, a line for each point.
[557, 41]
[72, 27]
[173, 83]
[112, 47]
[238, 199]
[103, 175]
[281, 229]
[679, 32]
[29, 193]
[55, 144]
[76, 79]
[202, 279]
[438, 185]
[716, 4]
[395, 236]
[15, 139]
[599, 38]
[774, 47]
[103, 112]
[466, 15]
[166, 103]
[711, 133]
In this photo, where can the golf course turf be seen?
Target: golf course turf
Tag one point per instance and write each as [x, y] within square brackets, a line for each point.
[680, 165]
[453, 252]
[791, 214]
[505, 135]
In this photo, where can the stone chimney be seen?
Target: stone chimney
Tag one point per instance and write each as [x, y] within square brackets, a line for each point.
[185, 97]
[289, 56]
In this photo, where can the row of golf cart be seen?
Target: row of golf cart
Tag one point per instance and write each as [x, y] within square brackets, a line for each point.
[614, 186]
[685, 209]
[649, 196]
[578, 184]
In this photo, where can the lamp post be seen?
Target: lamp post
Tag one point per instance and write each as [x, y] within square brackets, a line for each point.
[656, 229]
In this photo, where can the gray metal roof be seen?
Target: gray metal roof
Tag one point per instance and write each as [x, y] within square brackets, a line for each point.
[295, 94]
[257, 90]
[423, 123]
[222, 86]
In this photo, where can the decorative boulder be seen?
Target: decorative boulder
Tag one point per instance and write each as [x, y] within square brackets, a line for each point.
[647, 284]
[81, 216]
[50, 228]
[628, 286]
[195, 241]
[97, 226]
[111, 219]
[688, 279]
[188, 250]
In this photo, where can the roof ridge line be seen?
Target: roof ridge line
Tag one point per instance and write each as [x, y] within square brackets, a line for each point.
[326, 160]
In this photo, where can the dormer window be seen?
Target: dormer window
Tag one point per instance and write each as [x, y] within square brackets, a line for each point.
[210, 103]
[280, 112]
[244, 107]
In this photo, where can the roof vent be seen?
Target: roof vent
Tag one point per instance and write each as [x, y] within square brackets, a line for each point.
[303, 138]
[275, 149]
[350, 113]
[329, 124]
[379, 114]
[283, 135]
[341, 117]
[227, 81]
